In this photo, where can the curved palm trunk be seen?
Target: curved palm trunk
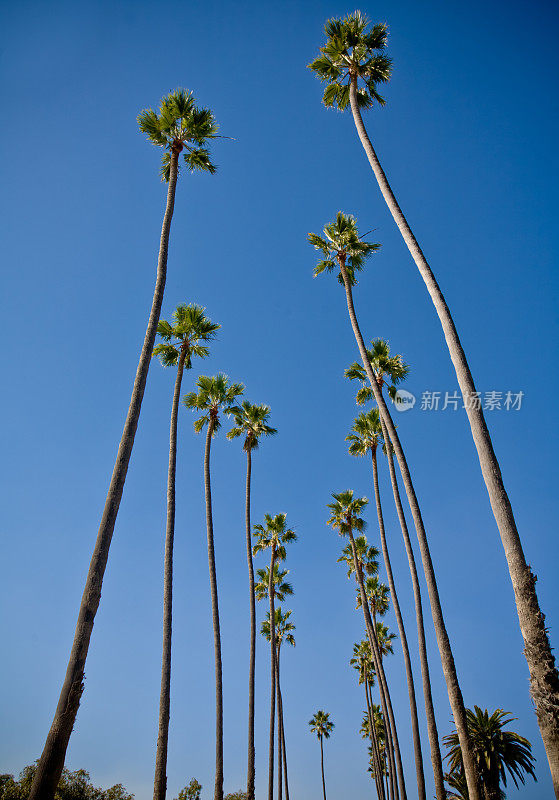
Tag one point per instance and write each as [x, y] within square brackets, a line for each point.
[160, 779]
[389, 721]
[544, 678]
[51, 763]
[403, 639]
[273, 674]
[252, 657]
[218, 791]
[445, 650]
[283, 749]
[376, 754]
[280, 743]
[440, 791]
[322, 767]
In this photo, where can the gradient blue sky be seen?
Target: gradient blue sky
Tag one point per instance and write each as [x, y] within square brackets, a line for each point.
[469, 141]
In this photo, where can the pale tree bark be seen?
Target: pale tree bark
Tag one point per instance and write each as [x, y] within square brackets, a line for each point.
[273, 675]
[218, 790]
[544, 678]
[377, 770]
[280, 742]
[436, 760]
[160, 779]
[283, 759]
[403, 639]
[252, 657]
[51, 762]
[389, 721]
[445, 650]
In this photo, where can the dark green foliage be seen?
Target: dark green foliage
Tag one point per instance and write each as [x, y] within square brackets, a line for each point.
[191, 792]
[252, 422]
[191, 327]
[342, 244]
[72, 786]
[240, 795]
[386, 369]
[214, 395]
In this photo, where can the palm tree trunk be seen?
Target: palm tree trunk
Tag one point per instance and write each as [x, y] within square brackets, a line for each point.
[403, 639]
[218, 791]
[445, 650]
[273, 676]
[374, 742]
[51, 762]
[252, 657]
[544, 678]
[280, 743]
[160, 779]
[440, 791]
[283, 749]
[322, 767]
[390, 723]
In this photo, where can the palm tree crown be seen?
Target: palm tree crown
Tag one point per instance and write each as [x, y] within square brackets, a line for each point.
[214, 395]
[191, 327]
[366, 433]
[281, 588]
[179, 124]
[386, 369]
[496, 751]
[342, 243]
[252, 422]
[349, 53]
[345, 512]
[362, 661]
[321, 725]
[284, 627]
[378, 596]
[366, 556]
[274, 533]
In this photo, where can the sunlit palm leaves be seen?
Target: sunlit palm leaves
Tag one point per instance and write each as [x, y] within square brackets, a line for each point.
[214, 394]
[190, 327]
[341, 243]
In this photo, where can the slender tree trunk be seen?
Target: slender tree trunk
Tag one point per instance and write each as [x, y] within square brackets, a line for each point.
[252, 657]
[544, 678]
[440, 791]
[283, 748]
[403, 638]
[389, 721]
[374, 742]
[445, 650]
[322, 767]
[280, 743]
[160, 779]
[51, 763]
[273, 674]
[218, 791]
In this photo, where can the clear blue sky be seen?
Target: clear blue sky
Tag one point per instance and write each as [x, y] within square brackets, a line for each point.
[469, 140]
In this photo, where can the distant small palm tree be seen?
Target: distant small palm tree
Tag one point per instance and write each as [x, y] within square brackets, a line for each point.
[362, 661]
[344, 249]
[321, 724]
[179, 124]
[497, 752]
[181, 341]
[250, 421]
[215, 395]
[273, 535]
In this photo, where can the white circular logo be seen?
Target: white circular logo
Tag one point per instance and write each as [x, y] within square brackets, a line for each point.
[404, 400]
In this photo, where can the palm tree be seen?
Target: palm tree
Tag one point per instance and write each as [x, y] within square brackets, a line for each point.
[321, 725]
[366, 436]
[354, 53]
[284, 633]
[250, 421]
[345, 517]
[362, 661]
[392, 370]
[343, 245]
[496, 751]
[180, 342]
[274, 534]
[214, 395]
[179, 124]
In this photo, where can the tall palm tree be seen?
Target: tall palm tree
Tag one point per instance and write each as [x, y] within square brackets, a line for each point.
[343, 246]
[284, 633]
[365, 438]
[181, 341]
[178, 125]
[353, 63]
[273, 535]
[496, 750]
[362, 661]
[345, 517]
[215, 395]
[391, 370]
[322, 725]
[250, 421]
